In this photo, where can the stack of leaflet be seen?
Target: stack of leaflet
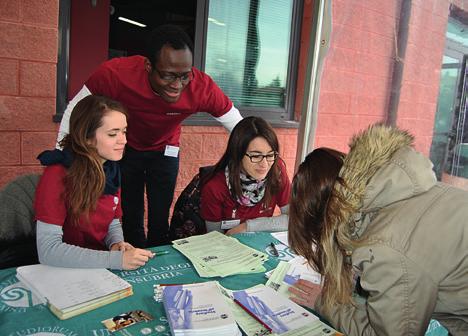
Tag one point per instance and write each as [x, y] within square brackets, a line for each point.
[198, 309]
[280, 315]
[73, 291]
[288, 273]
[215, 254]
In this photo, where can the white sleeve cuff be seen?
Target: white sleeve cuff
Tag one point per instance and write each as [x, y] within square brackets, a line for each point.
[230, 118]
[65, 123]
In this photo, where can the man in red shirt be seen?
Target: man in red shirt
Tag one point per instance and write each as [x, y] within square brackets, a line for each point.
[159, 91]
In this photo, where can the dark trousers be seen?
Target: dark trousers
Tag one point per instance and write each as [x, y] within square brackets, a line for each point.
[159, 174]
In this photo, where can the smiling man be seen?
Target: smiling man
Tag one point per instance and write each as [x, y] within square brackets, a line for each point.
[160, 90]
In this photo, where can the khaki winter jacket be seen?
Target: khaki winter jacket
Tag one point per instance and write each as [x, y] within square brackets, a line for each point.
[414, 260]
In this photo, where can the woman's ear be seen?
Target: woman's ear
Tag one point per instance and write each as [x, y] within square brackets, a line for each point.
[148, 66]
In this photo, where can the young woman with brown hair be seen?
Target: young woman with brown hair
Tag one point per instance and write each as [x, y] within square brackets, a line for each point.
[248, 182]
[390, 241]
[77, 202]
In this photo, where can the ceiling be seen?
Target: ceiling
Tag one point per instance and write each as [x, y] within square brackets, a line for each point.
[128, 39]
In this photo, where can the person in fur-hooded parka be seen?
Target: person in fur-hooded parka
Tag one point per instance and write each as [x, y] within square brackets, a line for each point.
[391, 242]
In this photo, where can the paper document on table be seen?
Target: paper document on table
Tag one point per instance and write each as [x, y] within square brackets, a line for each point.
[281, 236]
[249, 325]
[273, 310]
[72, 291]
[198, 309]
[317, 328]
[215, 254]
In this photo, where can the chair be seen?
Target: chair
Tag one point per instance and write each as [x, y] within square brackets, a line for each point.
[17, 224]
[186, 220]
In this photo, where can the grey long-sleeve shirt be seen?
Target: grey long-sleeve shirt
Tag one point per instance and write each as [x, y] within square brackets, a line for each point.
[274, 223]
[54, 252]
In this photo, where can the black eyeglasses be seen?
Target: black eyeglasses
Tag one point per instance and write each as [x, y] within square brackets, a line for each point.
[171, 77]
[257, 158]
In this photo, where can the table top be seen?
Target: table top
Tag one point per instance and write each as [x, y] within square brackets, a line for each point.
[20, 315]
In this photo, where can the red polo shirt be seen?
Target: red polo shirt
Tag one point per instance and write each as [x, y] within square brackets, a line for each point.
[217, 203]
[50, 207]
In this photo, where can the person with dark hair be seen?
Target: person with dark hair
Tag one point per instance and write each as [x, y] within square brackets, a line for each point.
[77, 200]
[241, 191]
[160, 90]
[390, 241]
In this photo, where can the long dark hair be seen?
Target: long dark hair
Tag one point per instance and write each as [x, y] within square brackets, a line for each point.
[85, 178]
[245, 131]
[311, 232]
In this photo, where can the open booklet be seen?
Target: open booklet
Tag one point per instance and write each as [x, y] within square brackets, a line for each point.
[73, 291]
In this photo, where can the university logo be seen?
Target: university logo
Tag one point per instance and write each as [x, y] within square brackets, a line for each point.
[14, 297]
[44, 331]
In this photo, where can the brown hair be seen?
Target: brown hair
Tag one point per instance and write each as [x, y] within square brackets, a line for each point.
[85, 179]
[245, 131]
[313, 212]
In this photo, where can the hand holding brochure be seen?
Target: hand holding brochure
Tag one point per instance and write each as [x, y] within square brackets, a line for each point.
[288, 273]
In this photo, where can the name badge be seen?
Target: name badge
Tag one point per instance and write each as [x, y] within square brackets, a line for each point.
[229, 224]
[171, 151]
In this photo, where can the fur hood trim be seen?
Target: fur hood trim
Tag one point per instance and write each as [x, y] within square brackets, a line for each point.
[369, 151]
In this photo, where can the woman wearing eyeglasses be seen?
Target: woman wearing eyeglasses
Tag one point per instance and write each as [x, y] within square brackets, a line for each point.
[242, 190]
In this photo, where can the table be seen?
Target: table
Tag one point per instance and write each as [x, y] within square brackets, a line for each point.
[21, 316]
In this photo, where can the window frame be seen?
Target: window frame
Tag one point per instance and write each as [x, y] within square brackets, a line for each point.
[61, 100]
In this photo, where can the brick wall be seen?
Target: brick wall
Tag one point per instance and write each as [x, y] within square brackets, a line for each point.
[421, 76]
[354, 90]
[357, 76]
[28, 57]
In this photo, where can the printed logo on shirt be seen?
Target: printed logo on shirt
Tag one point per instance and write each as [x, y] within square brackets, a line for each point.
[263, 209]
[15, 298]
[173, 113]
[116, 201]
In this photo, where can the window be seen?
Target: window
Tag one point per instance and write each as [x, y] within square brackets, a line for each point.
[249, 47]
[449, 149]
[248, 52]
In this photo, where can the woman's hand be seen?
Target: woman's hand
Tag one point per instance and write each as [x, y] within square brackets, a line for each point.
[242, 227]
[121, 246]
[135, 257]
[305, 293]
